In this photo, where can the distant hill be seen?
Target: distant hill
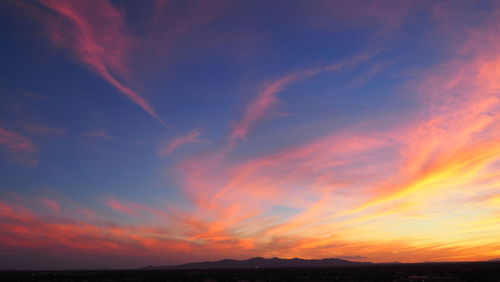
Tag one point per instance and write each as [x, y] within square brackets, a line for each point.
[497, 259]
[262, 263]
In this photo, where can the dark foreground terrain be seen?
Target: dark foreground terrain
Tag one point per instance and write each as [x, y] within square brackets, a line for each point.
[477, 271]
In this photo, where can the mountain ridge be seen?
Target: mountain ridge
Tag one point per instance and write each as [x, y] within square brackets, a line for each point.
[259, 262]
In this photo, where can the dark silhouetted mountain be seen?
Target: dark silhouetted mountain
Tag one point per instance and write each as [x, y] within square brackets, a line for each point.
[262, 263]
[497, 259]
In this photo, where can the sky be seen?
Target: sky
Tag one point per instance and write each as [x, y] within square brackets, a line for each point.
[138, 133]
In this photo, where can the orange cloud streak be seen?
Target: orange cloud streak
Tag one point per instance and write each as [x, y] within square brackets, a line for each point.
[365, 189]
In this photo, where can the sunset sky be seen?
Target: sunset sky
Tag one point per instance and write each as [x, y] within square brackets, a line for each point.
[138, 133]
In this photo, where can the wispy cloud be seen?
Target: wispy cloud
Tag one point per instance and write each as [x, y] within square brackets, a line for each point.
[191, 137]
[20, 148]
[259, 108]
[116, 205]
[51, 204]
[101, 134]
[15, 141]
[96, 32]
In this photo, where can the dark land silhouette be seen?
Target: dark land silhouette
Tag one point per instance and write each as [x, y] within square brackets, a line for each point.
[259, 262]
[278, 270]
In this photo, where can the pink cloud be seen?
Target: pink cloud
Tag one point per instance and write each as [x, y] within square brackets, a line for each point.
[51, 205]
[14, 141]
[191, 137]
[96, 32]
[20, 148]
[99, 133]
[134, 209]
[260, 107]
[119, 206]
[86, 213]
